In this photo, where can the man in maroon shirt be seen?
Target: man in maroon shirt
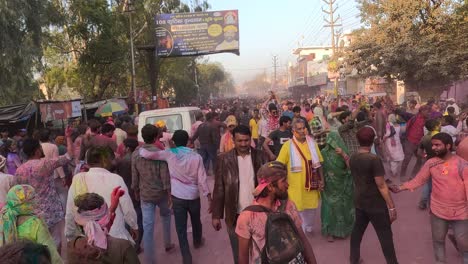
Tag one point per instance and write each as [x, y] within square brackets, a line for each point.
[414, 133]
[95, 138]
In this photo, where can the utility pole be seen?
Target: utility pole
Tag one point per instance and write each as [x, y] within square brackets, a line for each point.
[275, 65]
[331, 22]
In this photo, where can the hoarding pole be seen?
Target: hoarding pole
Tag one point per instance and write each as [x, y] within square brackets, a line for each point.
[196, 84]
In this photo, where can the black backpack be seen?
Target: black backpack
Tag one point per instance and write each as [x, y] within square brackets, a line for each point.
[282, 241]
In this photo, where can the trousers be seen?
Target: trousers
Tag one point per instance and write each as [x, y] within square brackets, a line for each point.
[380, 219]
[181, 208]
[234, 241]
[208, 153]
[409, 150]
[149, 217]
[439, 229]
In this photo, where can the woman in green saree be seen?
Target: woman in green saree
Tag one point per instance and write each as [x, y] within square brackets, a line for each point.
[337, 211]
[18, 221]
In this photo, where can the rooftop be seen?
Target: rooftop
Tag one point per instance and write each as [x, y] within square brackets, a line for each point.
[298, 50]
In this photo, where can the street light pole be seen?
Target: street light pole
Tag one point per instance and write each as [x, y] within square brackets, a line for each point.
[133, 64]
[129, 9]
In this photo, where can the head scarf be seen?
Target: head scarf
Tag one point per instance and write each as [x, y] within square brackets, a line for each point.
[335, 161]
[94, 223]
[318, 112]
[231, 121]
[19, 201]
[228, 142]
[334, 141]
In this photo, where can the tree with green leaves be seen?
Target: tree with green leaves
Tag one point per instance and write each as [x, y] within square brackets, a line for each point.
[22, 23]
[422, 43]
[84, 47]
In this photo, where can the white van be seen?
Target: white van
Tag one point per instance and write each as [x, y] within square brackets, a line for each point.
[175, 118]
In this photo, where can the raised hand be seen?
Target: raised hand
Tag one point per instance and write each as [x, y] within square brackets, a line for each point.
[115, 197]
[462, 117]
[339, 151]
[68, 131]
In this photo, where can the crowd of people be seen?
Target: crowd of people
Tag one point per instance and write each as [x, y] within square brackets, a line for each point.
[89, 194]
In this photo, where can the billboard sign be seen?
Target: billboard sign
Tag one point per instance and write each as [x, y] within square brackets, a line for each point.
[316, 68]
[59, 110]
[199, 33]
[316, 73]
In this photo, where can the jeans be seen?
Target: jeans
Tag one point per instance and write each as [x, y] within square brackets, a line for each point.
[426, 191]
[208, 153]
[439, 228]
[181, 207]
[139, 213]
[380, 219]
[148, 211]
[234, 241]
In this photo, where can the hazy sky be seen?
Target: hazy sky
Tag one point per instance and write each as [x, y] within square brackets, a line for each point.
[274, 27]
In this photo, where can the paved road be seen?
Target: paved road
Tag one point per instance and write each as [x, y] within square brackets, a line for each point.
[412, 237]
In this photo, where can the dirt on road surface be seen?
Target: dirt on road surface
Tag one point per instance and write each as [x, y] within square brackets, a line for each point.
[411, 235]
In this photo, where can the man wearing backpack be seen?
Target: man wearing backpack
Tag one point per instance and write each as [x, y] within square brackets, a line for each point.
[270, 230]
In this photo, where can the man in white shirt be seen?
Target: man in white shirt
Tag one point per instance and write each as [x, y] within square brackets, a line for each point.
[447, 125]
[120, 134]
[187, 174]
[99, 180]
[235, 178]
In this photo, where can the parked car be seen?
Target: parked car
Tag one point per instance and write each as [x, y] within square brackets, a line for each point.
[175, 118]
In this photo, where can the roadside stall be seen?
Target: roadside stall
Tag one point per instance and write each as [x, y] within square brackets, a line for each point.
[14, 117]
